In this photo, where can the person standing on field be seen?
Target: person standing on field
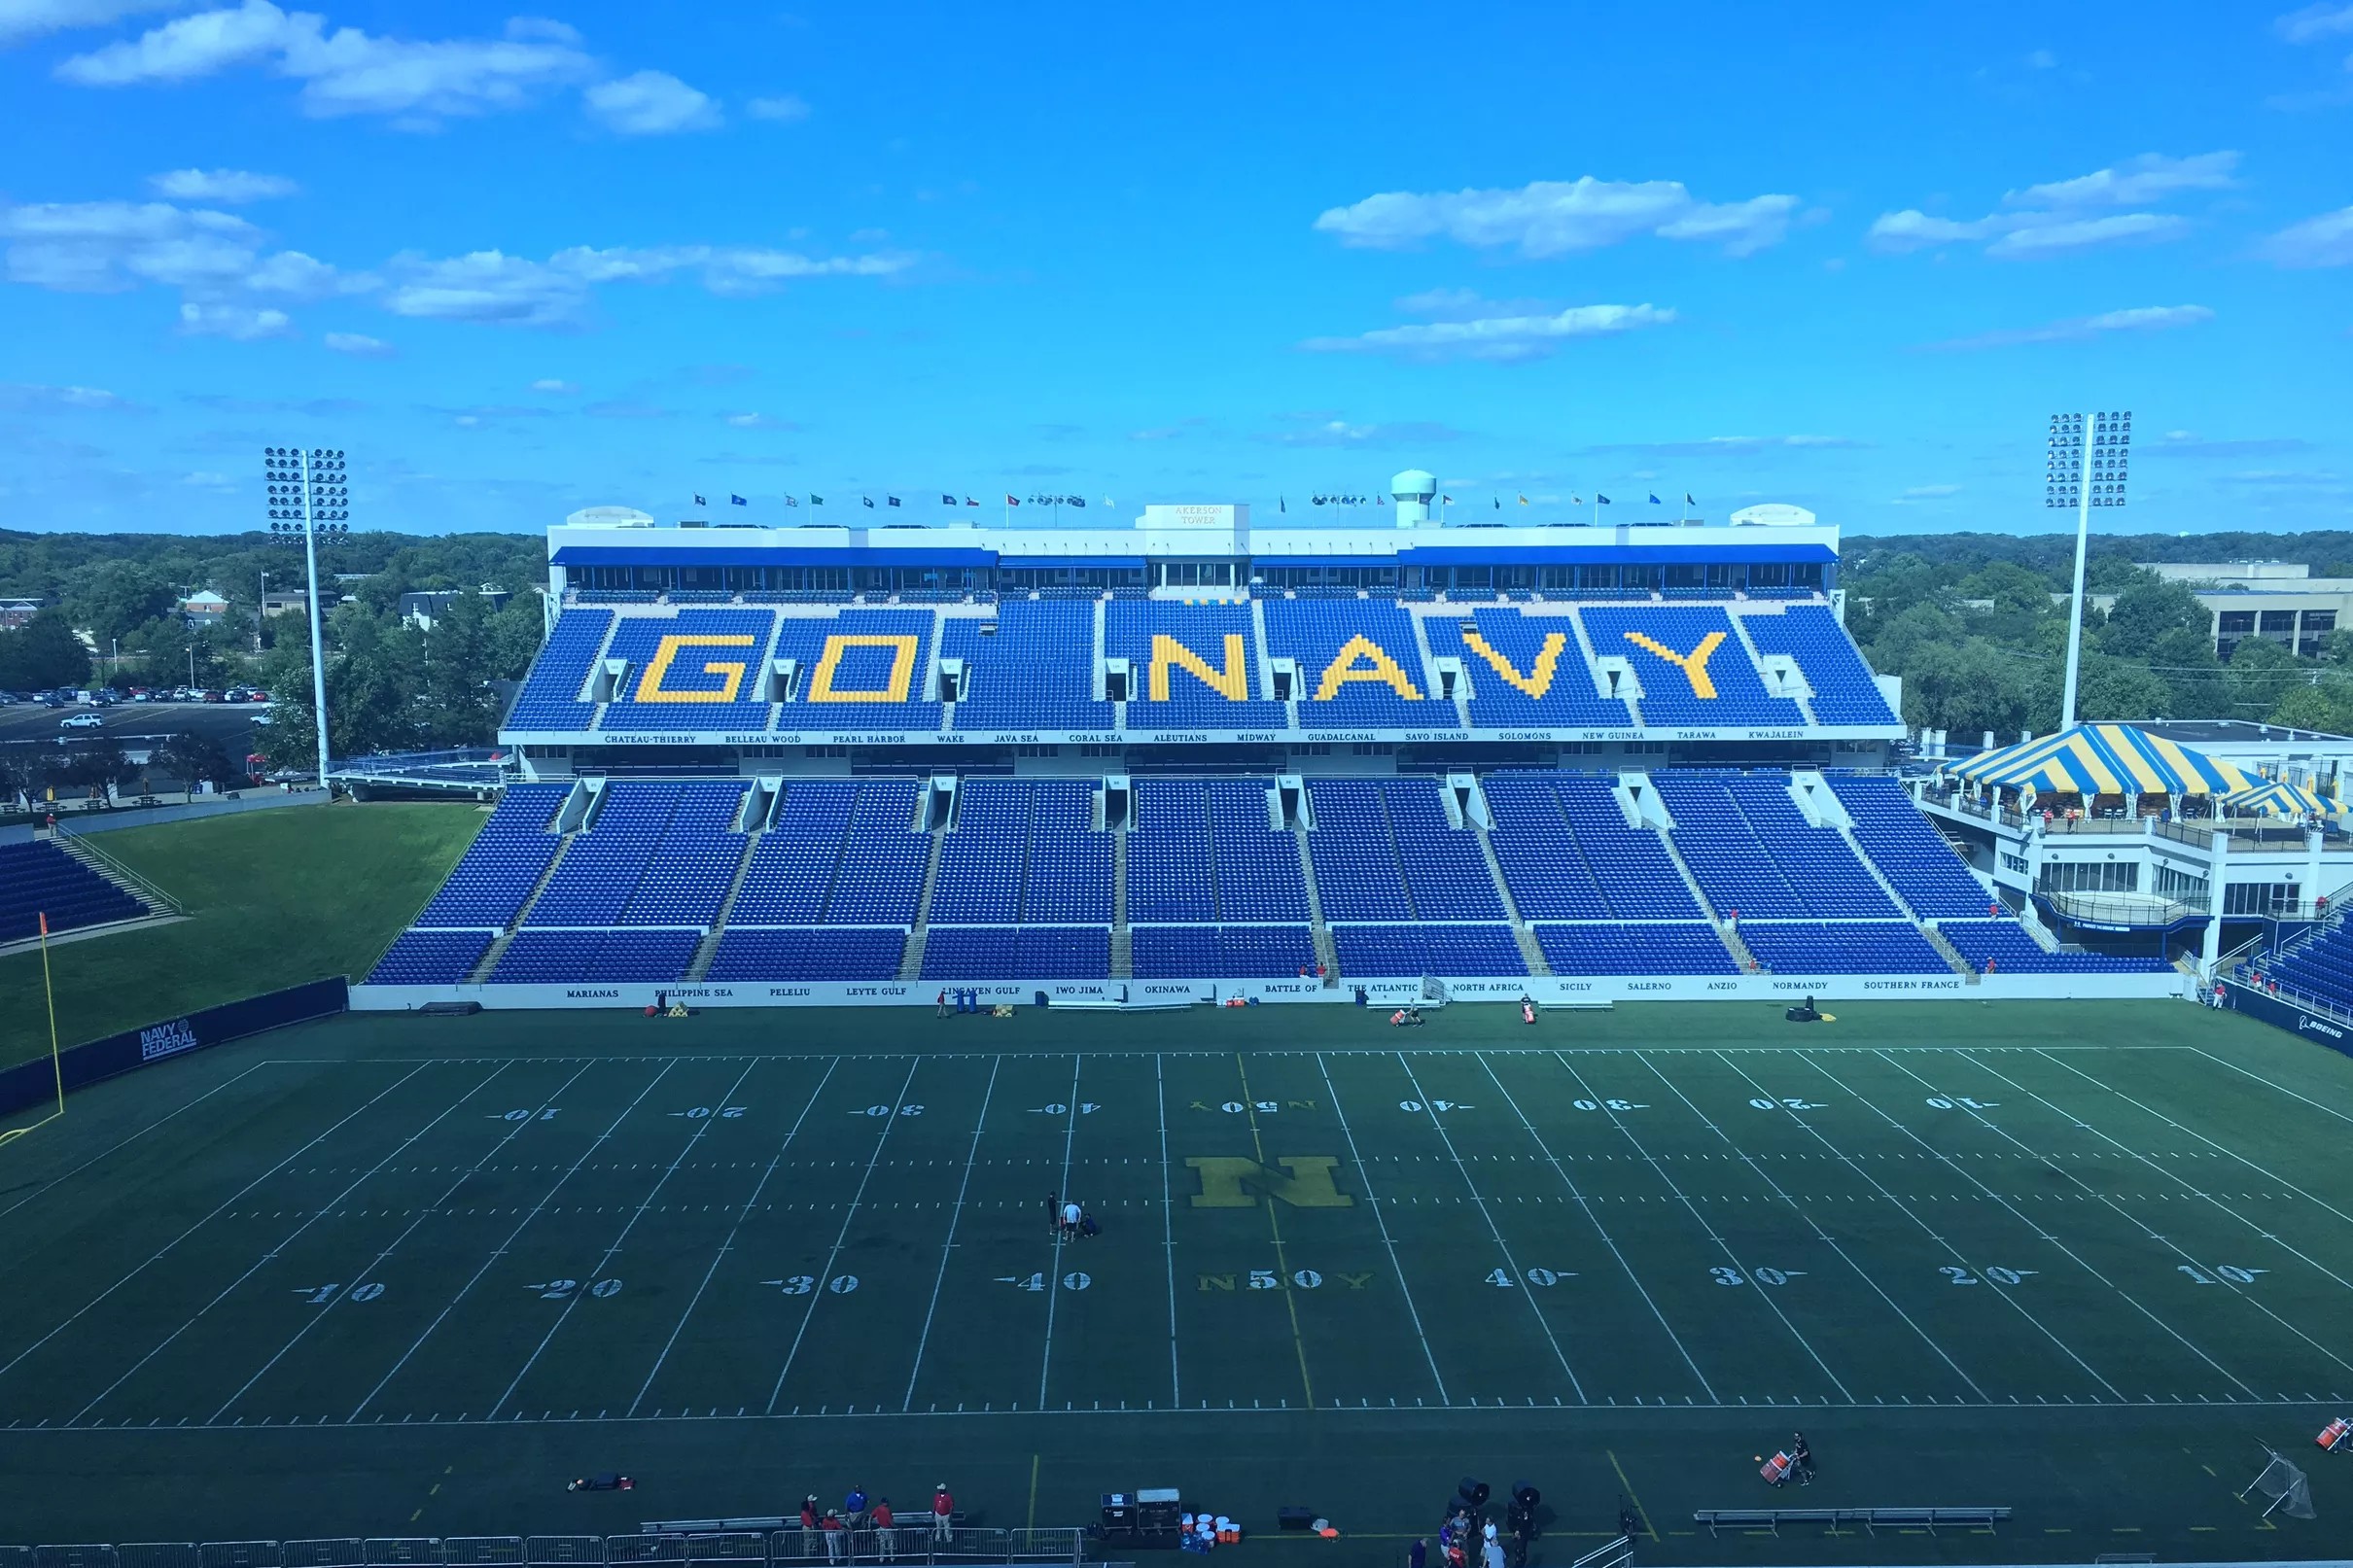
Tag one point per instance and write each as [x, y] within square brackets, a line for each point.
[943, 1514]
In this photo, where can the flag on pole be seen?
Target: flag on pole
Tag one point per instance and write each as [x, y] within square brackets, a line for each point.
[1687, 500]
[816, 499]
[700, 502]
[894, 500]
[1013, 501]
[1107, 500]
[1446, 501]
[947, 500]
[793, 501]
[1523, 501]
[1080, 501]
[1602, 499]
[869, 501]
[1576, 501]
[1498, 504]
[737, 501]
[1654, 501]
[969, 502]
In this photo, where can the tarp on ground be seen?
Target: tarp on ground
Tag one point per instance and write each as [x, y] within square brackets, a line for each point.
[2106, 760]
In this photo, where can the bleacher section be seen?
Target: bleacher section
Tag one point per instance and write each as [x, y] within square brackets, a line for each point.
[1034, 664]
[834, 884]
[37, 877]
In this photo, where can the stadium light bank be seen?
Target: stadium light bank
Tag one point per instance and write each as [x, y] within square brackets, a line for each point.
[308, 497]
[2084, 467]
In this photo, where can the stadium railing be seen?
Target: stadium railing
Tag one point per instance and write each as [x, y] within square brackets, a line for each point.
[912, 1543]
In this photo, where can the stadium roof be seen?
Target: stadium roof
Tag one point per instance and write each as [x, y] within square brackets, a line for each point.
[2107, 760]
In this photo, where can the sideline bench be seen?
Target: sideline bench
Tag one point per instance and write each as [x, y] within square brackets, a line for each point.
[1871, 1519]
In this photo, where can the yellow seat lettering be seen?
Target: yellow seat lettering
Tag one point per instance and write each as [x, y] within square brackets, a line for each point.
[1692, 664]
[1376, 666]
[653, 686]
[893, 689]
[1538, 680]
[1231, 682]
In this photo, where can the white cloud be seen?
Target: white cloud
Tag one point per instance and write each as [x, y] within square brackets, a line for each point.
[1928, 492]
[1555, 217]
[2042, 59]
[785, 109]
[1731, 445]
[1495, 338]
[359, 345]
[97, 247]
[2323, 241]
[1316, 430]
[346, 72]
[22, 398]
[2049, 219]
[550, 384]
[760, 422]
[230, 186]
[20, 20]
[2141, 319]
[2315, 22]
[651, 103]
[495, 288]
[244, 323]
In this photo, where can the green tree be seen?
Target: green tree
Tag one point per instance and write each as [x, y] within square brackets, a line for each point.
[195, 759]
[93, 766]
[2147, 610]
[2326, 705]
[42, 654]
[2261, 672]
[111, 600]
[1968, 689]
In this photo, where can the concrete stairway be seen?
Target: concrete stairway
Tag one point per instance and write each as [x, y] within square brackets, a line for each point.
[911, 963]
[1531, 952]
[1328, 953]
[1948, 952]
[481, 971]
[698, 968]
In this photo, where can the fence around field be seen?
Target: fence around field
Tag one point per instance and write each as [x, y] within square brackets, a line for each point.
[909, 1543]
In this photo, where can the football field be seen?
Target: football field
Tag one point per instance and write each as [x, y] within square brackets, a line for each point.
[2082, 1260]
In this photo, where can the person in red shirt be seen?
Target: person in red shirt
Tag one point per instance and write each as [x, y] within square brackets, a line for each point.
[808, 1525]
[943, 1512]
[886, 1535]
[831, 1527]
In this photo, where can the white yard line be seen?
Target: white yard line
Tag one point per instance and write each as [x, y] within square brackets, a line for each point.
[1519, 1275]
[947, 1247]
[1168, 1226]
[727, 1245]
[1989, 1192]
[817, 1290]
[638, 1213]
[499, 1250]
[271, 1256]
[1070, 1139]
[366, 1271]
[1706, 1227]
[201, 1224]
[1373, 1200]
[1995, 1129]
[2225, 1062]
[1602, 1231]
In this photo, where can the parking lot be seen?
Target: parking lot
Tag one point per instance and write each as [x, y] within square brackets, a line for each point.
[230, 723]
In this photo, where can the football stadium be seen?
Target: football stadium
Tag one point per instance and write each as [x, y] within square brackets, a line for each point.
[1107, 1029]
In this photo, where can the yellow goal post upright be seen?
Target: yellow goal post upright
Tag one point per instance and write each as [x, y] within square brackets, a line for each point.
[57, 1065]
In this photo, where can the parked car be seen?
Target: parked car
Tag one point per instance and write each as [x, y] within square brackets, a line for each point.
[82, 721]
[256, 696]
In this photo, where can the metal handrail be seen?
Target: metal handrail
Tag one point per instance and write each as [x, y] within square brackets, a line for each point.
[163, 902]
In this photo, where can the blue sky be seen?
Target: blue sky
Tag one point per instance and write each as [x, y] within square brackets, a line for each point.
[612, 254]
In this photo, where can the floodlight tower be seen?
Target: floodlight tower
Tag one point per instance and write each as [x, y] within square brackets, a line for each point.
[2084, 468]
[308, 497]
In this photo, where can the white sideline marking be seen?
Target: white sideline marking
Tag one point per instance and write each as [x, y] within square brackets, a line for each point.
[1062, 1190]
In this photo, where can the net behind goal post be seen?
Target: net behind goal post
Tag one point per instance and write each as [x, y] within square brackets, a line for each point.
[2285, 1485]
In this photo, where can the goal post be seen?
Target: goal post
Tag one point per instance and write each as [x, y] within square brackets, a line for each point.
[57, 1065]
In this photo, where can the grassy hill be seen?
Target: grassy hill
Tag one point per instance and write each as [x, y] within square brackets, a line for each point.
[273, 898]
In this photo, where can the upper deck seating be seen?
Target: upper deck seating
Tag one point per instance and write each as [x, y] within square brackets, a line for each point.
[1192, 666]
[859, 669]
[550, 698]
[1359, 664]
[1525, 670]
[1030, 668]
[1693, 670]
[700, 669]
[1843, 691]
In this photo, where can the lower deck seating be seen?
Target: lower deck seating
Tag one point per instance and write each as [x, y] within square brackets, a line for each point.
[40, 878]
[1649, 948]
[1223, 952]
[576, 958]
[809, 953]
[1017, 953]
[1390, 950]
[1842, 948]
[2005, 946]
[429, 957]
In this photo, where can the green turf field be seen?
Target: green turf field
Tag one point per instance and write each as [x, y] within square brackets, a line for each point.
[274, 899]
[390, 1276]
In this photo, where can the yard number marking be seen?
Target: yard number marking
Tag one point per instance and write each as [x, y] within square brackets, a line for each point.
[1794, 1104]
[1763, 1276]
[698, 1112]
[1945, 1102]
[1613, 1105]
[1073, 1281]
[2229, 1270]
[1086, 1107]
[545, 1115]
[1269, 1279]
[321, 1295]
[556, 1290]
[884, 1110]
[2000, 1276]
[1416, 1106]
[803, 1284]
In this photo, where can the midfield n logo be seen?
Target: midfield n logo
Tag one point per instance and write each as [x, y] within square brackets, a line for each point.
[1228, 1181]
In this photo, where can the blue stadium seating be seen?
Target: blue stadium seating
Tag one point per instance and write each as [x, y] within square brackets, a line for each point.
[1753, 854]
[1842, 948]
[1068, 874]
[984, 953]
[504, 861]
[40, 877]
[1629, 865]
[2007, 946]
[686, 881]
[1723, 691]
[881, 876]
[1390, 950]
[1542, 864]
[1030, 668]
[902, 663]
[655, 853]
[1549, 681]
[1358, 877]
[580, 958]
[682, 693]
[1908, 851]
[1369, 688]
[821, 952]
[1208, 632]
[1444, 874]
[1168, 866]
[1255, 867]
[1642, 948]
[551, 695]
[429, 957]
[1843, 691]
[1222, 952]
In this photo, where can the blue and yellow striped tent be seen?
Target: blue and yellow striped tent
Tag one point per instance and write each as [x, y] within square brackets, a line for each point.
[2275, 798]
[2106, 760]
